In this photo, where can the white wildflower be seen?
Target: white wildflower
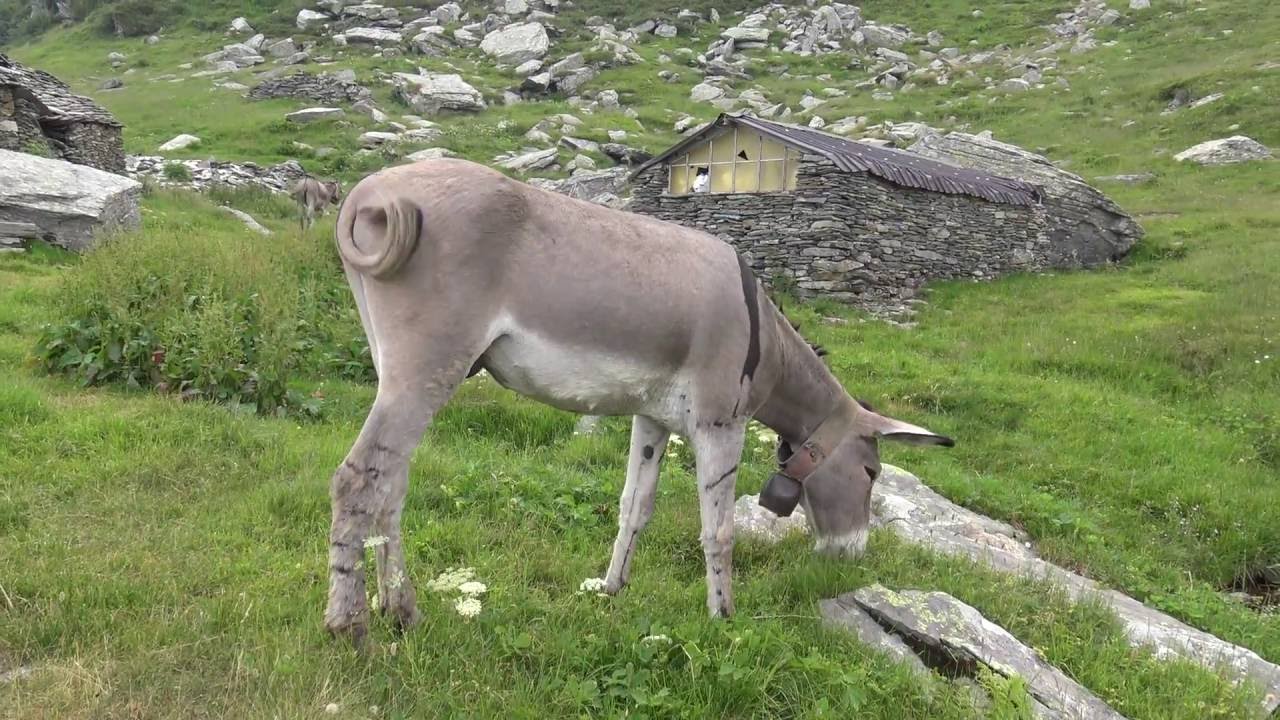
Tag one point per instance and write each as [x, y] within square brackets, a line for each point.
[473, 588]
[331, 708]
[592, 585]
[467, 607]
[656, 639]
[451, 578]
[375, 541]
[676, 440]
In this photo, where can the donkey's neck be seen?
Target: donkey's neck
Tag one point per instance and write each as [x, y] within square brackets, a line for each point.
[805, 394]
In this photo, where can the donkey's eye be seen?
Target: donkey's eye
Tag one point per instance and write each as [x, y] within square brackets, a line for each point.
[871, 473]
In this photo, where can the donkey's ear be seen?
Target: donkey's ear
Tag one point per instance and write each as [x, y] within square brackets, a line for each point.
[896, 430]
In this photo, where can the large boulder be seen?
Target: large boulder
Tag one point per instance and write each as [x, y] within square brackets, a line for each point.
[372, 36]
[516, 44]
[1086, 228]
[431, 93]
[1225, 151]
[70, 204]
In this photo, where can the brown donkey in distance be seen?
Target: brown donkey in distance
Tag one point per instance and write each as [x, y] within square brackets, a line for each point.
[312, 196]
[456, 268]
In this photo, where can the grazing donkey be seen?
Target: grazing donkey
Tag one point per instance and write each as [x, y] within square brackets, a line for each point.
[456, 268]
[312, 195]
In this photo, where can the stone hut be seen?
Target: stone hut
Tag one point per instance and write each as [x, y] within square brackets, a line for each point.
[39, 112]
[825, 216]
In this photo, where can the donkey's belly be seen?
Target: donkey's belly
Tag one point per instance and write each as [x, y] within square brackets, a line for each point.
[574, 379]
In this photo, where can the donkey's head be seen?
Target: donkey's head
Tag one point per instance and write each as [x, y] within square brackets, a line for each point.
[832, 473]
[333, 190]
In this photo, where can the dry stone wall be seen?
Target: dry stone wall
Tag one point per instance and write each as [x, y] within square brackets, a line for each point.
[855, 238]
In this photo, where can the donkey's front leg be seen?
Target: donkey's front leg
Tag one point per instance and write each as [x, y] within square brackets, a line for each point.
[718, 451]
[648, 441]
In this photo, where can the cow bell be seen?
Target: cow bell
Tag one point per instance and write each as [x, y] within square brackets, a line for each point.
[780, 495]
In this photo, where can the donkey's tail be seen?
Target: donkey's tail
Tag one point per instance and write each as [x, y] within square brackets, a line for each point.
[399, 224]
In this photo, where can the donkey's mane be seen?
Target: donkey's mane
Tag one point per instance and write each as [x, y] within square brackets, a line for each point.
[817, 349]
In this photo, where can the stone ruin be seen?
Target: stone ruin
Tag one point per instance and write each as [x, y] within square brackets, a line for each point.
[40, 115]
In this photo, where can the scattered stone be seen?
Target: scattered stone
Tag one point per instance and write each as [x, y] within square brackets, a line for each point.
[308, 19]
[375, 138]
[432, 93]
[666, 30]
[435, 153]
[536, 160]
[247, 219]
[111, 84]
[706, 92]
[181, 142]
[241, 26]
[1015, 85]
[205, 174]
[371, 36]
[1137, 179]
[516, 44]
[281, 48]
[314, 114]
[69, 203]
[1139, 4]
[1225, 151]
[752, 520]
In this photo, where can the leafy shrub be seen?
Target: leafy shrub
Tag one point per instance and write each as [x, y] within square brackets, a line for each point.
[132, 18]
[197, 306]
[177, 172]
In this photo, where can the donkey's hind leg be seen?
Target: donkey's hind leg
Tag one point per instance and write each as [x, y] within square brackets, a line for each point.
[648, 441]
[369, 487]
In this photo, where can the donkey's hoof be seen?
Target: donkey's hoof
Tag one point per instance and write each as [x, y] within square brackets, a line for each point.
[401, 616]
[356, 630]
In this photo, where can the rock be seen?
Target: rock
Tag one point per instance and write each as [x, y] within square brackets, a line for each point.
[375, 138]
[580, 145]
[314, 114]
[1139, 4]
[247, 219]
[1207, 99]
[447, 13]
[1087, 228]
[706, 92]
[297, 58]
[256, 42]
[241, 26]
[1109, 17]
[421, 135]
[152, 40]
[541, 82]
[518, 43]
[569, 64]
[70, 204]
[666, 30]
[205, 174]
[917, 514]
[608, 99]
[111, 84]
[431, 93]
[587, 425]
[625, 155]
[1225, 151]
[537, 160]
[1138, 179]
[308, 19]
[752, 520]
[515, 7]
[573, 82]
[432, 41]
[884, 36]
[366, 107]
[371, 36]
[746, 35]
[617, 135]
[1015, 85]
[581, 162]
[528, 68]
[282, 48]
[430, 154]
[961, 634]
[181, 142]
[371, 12]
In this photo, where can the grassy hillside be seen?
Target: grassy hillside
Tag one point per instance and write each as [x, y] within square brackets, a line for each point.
[167, 559]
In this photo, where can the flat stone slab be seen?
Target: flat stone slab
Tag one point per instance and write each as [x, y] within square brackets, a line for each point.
[905, 505]
[944, 624]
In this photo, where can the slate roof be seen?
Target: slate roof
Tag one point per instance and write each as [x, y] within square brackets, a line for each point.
[899, 167]
[56, 101]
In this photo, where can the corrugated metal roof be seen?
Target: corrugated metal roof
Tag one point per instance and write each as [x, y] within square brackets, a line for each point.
[56, 101]
[896, 166]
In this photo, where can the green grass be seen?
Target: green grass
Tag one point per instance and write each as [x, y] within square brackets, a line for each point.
[168, 560]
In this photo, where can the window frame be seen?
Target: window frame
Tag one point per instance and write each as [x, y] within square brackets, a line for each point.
[790, 160]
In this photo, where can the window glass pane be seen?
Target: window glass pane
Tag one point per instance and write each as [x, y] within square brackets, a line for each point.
[793, 172]
[772, 150]
[679, 184]
[745, 176]
[699, 155]
[771, 179]
[722, 148]
[721, 178]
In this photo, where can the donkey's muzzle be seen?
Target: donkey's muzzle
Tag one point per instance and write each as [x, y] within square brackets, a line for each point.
[781, 495]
